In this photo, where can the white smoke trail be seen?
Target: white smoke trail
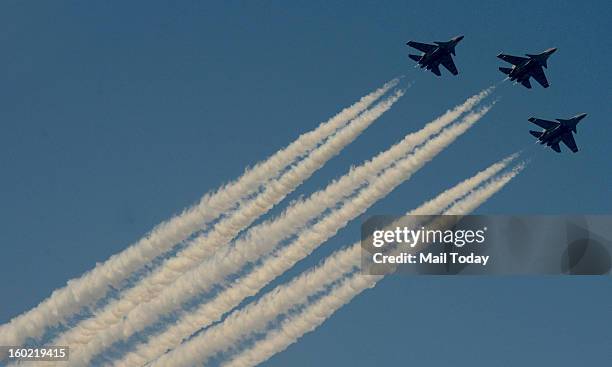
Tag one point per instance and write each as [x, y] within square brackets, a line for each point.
[203, 246]
[482, 194]
[448, 197]
[263, 238]
[294, 327]
[254, 317]
[93, 285]
[309, 240]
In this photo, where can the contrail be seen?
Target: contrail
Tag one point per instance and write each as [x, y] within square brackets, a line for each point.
[255, 317]
[448, 197]
[294, 327]
[94, 284]
[482, 194]
[203, 246]
[262, 239]
[309, 240]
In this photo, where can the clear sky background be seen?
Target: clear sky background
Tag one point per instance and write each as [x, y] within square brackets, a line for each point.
[116, 115]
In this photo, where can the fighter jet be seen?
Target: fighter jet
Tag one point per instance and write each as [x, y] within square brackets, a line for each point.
[525, 67]
[437, 54]
[556, 131]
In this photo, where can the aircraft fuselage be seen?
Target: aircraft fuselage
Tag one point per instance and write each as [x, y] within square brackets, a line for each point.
[431, 58]
[523, 71]
[554, 135]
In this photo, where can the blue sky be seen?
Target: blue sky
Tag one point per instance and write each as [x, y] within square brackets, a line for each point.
[115, 115]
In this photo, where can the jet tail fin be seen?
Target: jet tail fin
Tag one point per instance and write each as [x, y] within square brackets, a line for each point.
[416, 58]
[537, 134]
[526, 83]
[506, 71]
[556, 147]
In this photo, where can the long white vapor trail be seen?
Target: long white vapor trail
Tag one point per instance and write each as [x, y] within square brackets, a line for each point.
[315, 313]
[203, 246]
[255, 317]
[309, 240]
[93, 285]
[262, 239]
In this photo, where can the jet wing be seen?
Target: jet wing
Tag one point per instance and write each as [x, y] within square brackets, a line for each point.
[447, 62]
[544, 124]
[568, 139]
[424, 47]
[514, 60]
[540, 77]
[435, 69]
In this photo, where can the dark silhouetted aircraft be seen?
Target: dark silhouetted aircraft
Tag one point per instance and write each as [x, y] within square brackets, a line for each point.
[437, 54]
[557, 131]
[525, 67]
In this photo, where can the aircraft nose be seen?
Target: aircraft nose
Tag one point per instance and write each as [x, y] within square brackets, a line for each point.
[551, 51]
[458, 38]
[582, 115]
